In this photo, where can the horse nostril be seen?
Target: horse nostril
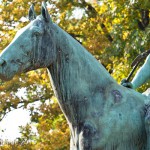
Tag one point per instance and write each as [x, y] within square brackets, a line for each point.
[2, 61]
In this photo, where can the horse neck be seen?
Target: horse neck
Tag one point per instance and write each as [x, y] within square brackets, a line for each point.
[75, 71]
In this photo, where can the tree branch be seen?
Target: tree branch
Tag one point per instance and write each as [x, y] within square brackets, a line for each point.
[144, 19]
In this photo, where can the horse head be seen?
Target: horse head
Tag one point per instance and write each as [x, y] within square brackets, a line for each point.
[31, 48]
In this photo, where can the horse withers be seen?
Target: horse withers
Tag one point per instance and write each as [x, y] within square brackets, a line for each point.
[101, 114]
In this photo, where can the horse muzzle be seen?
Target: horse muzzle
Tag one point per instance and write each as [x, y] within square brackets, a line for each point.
[4, 73]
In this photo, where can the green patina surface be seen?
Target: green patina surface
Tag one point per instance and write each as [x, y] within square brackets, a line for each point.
[101, 114]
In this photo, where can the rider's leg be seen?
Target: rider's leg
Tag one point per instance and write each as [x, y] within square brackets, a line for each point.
[142, 75]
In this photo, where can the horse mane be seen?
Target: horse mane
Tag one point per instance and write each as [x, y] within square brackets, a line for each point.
[75, 67]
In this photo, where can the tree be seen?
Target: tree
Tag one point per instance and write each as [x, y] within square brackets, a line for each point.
[115, 32]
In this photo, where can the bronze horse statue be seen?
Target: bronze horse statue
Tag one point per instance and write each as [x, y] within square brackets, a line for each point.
[102, 115]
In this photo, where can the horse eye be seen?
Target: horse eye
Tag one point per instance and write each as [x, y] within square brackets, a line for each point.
[37, 33]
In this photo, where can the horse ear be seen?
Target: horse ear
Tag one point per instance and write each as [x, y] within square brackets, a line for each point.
[32, 14]
[45, 13]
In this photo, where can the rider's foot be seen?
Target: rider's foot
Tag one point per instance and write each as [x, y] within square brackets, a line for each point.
[127, 84]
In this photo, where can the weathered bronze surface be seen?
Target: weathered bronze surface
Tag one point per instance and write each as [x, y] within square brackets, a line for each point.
[102, 115]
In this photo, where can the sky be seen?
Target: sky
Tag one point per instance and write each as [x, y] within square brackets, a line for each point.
[9, 126]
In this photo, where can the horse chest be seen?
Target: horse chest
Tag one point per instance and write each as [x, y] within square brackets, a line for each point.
[106, 125]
